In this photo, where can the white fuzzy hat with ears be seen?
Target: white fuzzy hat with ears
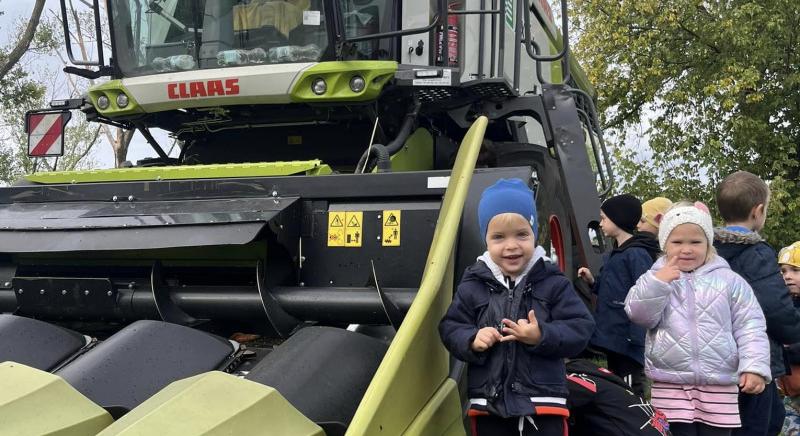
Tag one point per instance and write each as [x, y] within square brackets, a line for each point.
[682, 215]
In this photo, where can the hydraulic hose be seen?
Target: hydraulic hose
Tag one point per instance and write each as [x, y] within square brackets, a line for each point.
[382, 153]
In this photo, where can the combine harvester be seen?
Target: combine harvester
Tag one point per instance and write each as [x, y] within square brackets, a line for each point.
[332, 153]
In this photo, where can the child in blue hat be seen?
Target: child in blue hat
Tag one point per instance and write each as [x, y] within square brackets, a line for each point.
[513, 319]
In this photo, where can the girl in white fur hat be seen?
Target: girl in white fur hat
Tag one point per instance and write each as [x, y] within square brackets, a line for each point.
[706, 335]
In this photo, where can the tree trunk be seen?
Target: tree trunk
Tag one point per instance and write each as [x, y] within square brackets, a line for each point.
[24, 40]
[121, 144]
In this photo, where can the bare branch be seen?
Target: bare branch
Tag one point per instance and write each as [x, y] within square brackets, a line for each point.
[24, 41]
[89, 146]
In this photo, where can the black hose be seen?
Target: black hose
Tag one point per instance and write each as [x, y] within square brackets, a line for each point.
[378, 155]
[384, 152]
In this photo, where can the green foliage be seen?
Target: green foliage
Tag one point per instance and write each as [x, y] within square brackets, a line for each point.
[23, 89]
[717, 85]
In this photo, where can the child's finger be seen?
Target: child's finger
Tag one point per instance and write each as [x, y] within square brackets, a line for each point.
[496, 335]
[532, 317]
[509, 337]
[510, 324]
[672, 261]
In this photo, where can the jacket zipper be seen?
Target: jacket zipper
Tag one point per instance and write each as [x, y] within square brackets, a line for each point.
[693, 325]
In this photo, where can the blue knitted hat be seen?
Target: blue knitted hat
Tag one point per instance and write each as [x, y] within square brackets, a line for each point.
[506, 196]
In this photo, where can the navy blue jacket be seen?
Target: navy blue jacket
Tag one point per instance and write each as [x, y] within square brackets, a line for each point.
[508, 374]
[752, 258]
[621, 268]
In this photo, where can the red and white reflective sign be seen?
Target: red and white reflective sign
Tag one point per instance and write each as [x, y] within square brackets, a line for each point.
[46, 133]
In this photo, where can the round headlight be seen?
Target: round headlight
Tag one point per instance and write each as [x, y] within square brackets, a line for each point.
[357, 84]
[103, 102]
[122, 100]
[319, 86]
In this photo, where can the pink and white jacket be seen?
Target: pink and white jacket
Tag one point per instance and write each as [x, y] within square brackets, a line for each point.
[705, 328]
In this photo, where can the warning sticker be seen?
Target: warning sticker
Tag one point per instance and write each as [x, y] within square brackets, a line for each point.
[353, 232]
[391, 228]
[336, 229]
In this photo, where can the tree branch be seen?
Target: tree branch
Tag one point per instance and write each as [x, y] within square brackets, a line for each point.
[24, 41]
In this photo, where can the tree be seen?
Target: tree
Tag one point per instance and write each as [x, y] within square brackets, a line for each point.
[716, 86]
[8, 61]
[31, 84]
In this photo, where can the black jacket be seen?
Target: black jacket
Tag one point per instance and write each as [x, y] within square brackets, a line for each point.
[752, 258]
[600, 403]
[621, 268]
[509, 374]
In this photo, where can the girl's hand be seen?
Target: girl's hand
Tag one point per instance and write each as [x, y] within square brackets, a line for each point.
[751, 383]
[586, 275]
[485, 338]
[526, 331]
[670, 271]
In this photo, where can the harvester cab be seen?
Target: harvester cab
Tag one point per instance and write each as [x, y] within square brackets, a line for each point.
[331, 157]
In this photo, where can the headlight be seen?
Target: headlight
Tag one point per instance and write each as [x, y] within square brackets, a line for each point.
[103, 102]
[122, 100]
[357, 84]
[319, 86]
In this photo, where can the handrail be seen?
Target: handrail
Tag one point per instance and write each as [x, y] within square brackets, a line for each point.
[435, 22]
[595, 152]
[417, 363]
[98, 34]
[533, 49]
[595, 125]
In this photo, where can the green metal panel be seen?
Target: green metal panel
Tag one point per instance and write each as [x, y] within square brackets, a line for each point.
[417, 364]
[416, 154]
[261, 169]
[578, 75]
[214, 404]
[337, 76]
[34, 402]
[442, 415]
[112, 89]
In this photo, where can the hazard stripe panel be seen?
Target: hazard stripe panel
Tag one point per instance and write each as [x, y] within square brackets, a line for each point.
[45, 137]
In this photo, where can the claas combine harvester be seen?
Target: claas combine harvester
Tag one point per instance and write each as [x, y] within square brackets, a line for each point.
[332, 153]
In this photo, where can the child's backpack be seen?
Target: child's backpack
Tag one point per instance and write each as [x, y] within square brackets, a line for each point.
[601, 403]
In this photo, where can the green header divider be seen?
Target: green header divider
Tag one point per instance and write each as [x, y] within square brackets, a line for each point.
[184, 172]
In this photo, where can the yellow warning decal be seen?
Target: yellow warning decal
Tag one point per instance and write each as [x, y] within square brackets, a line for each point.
[353, 232]
[391, 228]
[336, 229]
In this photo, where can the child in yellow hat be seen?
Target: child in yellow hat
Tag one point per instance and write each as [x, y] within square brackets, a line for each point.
[652, 212]
[789, 261]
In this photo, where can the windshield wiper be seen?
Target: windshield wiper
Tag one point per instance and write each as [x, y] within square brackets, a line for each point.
[154, 7]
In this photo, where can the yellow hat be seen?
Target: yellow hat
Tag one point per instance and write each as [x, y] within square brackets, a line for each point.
[790, 255]
[654, 207]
